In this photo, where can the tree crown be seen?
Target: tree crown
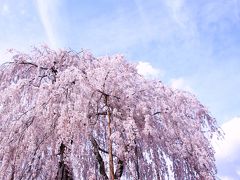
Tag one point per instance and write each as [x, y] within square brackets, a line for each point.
[54, 107]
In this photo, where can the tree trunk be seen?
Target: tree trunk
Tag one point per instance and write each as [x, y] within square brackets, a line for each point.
[98, 157]
[63, 170]
[136, 161]
[111, 166]
[119, 169]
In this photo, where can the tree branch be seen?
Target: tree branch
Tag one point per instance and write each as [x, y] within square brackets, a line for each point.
[104, 151]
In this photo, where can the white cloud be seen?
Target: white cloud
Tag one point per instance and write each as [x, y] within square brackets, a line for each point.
[181, 84]
[228, 148]
[46, 10]
[147, 70]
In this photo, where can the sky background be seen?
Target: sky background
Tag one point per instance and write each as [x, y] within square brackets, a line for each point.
[190, 45]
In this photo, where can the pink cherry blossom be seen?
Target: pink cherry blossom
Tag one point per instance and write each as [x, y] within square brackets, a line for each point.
[69, 115]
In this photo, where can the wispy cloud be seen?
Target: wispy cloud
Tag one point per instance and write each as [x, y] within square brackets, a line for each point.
[46, 11]
[179, 12]
[128, 28]
[176, 8]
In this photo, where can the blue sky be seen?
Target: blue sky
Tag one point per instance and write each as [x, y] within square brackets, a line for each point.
[190, 45]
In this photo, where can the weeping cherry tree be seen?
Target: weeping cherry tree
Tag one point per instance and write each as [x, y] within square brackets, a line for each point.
[69, 115]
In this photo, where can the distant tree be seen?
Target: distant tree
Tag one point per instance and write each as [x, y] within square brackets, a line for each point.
[67, 115]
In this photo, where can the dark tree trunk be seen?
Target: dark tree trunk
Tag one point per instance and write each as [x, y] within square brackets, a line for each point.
[98, 157]
[64, 172]
[136, 160]
[119, 169]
